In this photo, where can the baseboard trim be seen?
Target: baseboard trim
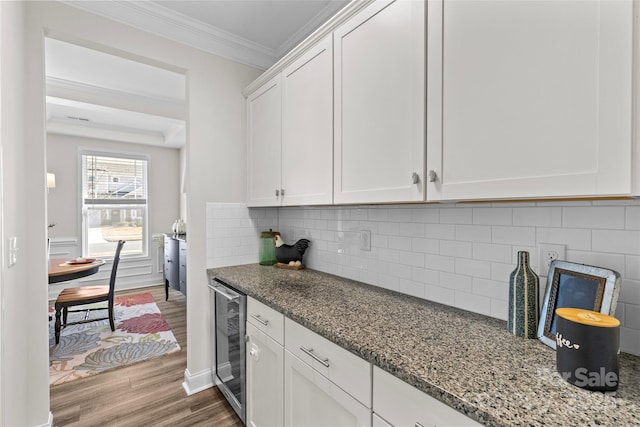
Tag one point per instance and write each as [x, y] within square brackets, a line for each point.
[195, 383]
[49, 421]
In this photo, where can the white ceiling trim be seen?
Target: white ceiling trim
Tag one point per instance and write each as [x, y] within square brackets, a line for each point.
[59, 127]
[170, 24]
[326, 13]
[83, 92]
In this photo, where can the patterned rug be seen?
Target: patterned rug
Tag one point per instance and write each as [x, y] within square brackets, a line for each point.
[90, 348]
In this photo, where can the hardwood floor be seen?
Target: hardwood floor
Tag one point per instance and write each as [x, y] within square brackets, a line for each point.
[145, 394]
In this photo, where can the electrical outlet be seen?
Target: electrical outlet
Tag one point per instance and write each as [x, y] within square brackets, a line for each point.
[365, 240]
[548, 252]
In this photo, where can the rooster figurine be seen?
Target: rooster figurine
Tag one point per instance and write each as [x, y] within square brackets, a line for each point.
[290, 253]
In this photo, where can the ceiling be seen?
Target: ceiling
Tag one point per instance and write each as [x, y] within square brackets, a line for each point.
[99, 95]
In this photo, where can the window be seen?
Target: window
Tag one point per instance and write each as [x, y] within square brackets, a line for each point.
[114, 204]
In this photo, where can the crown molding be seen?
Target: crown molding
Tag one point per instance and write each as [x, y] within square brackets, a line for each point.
[325, 30]
[164, 22]
[143, 103]
[325, 14]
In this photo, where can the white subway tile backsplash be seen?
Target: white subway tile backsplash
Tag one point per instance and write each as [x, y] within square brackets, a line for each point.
[398, 242]
[492, 252]
[427, 215]
[389, 228]
[499, 309]
[630, 340]
[493, 216]
[439, 262]
[614, 262]
[456, 282]
[610, 217]
[456, 249]
[414, 259]
[632, 267]
[513, 235]
[501, 271]
[537, 216]
[622, 242]
[411, 229]
[425, 275]
[430, 246]
[410, 287]
[491, 288]
[473, 233]
[632, 218]
[456, 254]
[440, 231]
[578, 239]
[632, 316]
[456, 216]
[475, 303]
[400, 214]
[439, 295]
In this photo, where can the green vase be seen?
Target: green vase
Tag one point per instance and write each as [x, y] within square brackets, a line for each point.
[523, 299]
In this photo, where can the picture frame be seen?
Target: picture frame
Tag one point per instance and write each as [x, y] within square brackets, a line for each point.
[576, 285]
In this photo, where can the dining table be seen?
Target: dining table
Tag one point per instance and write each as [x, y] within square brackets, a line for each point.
[64, 269]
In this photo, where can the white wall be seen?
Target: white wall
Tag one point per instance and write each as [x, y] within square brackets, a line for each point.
[233, 232]
[64, 205]
[215, 161]
[24, 355]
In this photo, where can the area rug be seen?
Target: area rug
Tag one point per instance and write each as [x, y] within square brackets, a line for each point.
[91, 348]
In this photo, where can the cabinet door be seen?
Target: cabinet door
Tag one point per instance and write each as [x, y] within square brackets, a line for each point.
[265, 380]
[379, 104]
[171, 269]
[403, 405]
[529, 99]
[264, 140]
[182, 259]
[307, 134]
[313, 400]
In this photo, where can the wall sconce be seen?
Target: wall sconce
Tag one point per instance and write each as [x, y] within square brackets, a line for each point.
[51, 180]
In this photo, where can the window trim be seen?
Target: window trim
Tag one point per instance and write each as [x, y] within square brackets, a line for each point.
[89, 151]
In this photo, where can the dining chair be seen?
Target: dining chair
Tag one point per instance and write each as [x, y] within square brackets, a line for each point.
[82, 295]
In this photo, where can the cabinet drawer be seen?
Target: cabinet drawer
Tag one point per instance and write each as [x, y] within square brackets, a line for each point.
[343, 368]
[403, 405]
[266, 319]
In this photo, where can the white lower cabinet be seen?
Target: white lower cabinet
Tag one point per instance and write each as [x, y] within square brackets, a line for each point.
[396, 403]
[379, 422]
[265, 366]
[312, 400]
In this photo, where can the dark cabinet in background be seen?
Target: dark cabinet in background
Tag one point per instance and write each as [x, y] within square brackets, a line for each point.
[175, 263]
[182, 259]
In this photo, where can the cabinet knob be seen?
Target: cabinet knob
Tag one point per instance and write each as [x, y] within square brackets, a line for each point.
[282, 191]
[433, 176]
[415, 178]
[277, 192]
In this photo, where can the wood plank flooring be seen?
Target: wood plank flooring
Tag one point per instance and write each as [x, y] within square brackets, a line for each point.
[145, 394]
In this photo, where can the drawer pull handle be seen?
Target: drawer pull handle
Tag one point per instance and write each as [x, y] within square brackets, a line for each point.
[418, 424]
[260, 319]
[310, 352]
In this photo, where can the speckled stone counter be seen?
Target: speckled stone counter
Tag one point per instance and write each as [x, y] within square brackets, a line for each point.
[466, 360]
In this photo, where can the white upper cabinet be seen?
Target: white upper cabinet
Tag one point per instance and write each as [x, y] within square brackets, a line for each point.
[379, 104]
[307, 134]
[529, 99]
[264, 133]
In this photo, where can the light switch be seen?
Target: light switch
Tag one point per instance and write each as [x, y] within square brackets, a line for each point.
[13, 251]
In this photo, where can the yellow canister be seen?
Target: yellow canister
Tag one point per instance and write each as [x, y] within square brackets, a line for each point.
[587, 347]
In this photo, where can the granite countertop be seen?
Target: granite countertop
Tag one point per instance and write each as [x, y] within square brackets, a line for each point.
[466, 360]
